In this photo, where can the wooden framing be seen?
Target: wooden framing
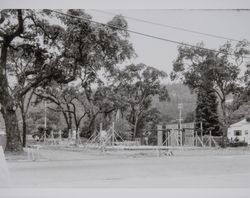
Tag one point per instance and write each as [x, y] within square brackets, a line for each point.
[174, 136]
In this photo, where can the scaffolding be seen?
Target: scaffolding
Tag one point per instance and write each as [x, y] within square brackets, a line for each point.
[174, 136]
[104, 138]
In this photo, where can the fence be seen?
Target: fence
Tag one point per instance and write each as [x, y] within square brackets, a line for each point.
[174, 136]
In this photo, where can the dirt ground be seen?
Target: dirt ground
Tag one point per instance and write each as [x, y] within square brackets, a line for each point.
[188, 168]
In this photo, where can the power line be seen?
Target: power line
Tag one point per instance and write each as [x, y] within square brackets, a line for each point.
[169, 26]
[143, 34]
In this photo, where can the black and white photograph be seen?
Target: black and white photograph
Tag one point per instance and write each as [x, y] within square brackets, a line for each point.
[125, 97]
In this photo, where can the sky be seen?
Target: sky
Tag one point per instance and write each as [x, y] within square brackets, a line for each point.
[197, 15]
[160, 54]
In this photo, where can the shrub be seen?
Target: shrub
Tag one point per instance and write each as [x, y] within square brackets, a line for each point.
[238, 144]
[65, 133]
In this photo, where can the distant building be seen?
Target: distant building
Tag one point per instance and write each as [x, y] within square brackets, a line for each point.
[240, 131]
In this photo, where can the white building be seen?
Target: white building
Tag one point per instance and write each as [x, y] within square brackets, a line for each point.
[239, 130]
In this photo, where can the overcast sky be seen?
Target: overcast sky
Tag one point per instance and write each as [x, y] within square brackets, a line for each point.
[227, 23]
[160, 54]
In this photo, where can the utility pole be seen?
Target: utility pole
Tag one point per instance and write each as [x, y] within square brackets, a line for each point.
[113, 133]
[201, 132]
[45, 119]
[180, 106]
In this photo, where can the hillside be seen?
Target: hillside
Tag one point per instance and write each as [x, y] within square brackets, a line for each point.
[179, 93]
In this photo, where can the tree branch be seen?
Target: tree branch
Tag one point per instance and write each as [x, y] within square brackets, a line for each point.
[60, 110]
[2, 34]
[20, 28]
[29, 100]
[79, 121]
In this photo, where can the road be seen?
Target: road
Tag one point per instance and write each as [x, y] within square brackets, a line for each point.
[76, 169]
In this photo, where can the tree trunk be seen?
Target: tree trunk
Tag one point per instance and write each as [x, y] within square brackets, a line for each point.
[66, 120]
[70, 122]
[77, 129]
[8, 108]
[135, 127]
[77, 135]
[24, 125]
[225, 123]
[91, 125]
[11, 125]
[24, 130]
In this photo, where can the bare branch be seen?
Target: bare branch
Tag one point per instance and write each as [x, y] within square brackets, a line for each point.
[60, 110]
[80, 119]
[29, 100]
[48, 97]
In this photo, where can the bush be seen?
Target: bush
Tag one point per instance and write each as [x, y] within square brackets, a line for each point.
[152, 140]
[238, 143]
[40, 132]
[85, 132]
[65, 133]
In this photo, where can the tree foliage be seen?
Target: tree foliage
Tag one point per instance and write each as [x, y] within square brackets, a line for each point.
[206, 113]
[21, 32]
[63, 51]
[194, 65]
[138, 84]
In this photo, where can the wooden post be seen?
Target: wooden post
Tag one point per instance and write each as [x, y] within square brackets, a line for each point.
[196, 138]
[210, 139]
[60, 136]
[181, 137]
[193, 139]
[52, 134]
[101, 126]
[113, 133]
[159, 135]
[201, 132]
[78, 137]
[167, 137]
[45, 120]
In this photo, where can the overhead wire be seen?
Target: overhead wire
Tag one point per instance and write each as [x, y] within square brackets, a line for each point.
[144, 34]
[167, 26]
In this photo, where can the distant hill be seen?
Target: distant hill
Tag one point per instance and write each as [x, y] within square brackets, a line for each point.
[242, 112]
[179, 93]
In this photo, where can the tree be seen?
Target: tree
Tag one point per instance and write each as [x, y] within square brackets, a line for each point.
[139, 83]
[22, 30]
[243, 96]
[18, 65]
[240, 105]
[206, 111]
[95, 47]
[59, 52]
[107, 102]
[195, 65]
[68, 100]
[190, 117]
[36, 118]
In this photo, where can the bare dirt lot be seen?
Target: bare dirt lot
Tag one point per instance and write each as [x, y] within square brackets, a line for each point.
[205, 168]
